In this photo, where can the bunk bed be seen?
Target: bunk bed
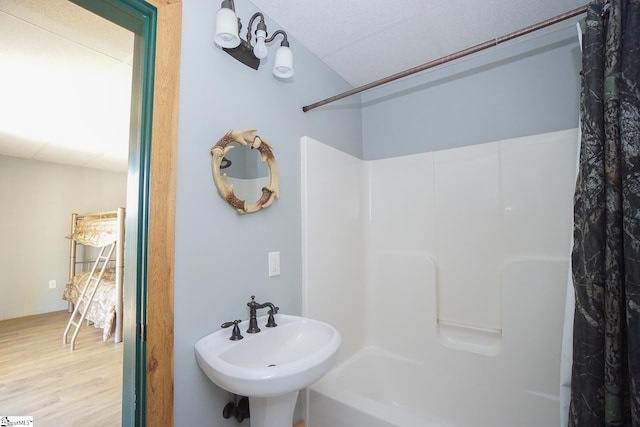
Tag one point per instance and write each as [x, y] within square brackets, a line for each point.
[95, 286]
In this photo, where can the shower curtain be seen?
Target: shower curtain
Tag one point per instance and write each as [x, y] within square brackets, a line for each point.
[605, 380]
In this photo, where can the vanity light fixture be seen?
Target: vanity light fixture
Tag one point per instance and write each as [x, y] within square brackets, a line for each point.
[227, 37]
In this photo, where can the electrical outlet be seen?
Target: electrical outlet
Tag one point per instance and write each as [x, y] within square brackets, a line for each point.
[52, 284]
[274, 264]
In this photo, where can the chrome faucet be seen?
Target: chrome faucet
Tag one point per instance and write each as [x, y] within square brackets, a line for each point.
[253, 322]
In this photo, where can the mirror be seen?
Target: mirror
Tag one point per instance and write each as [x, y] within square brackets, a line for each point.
[244, 171]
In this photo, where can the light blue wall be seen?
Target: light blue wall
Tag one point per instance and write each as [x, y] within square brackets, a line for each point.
[221, 256]
[524, 87]
[527, 87]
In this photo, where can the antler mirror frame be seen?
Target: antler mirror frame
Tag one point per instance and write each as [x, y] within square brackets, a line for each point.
[248, 139]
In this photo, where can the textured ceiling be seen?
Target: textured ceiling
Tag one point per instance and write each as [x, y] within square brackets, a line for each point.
[366, 40]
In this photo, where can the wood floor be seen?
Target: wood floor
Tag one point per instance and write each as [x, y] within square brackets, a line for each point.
[41, 377]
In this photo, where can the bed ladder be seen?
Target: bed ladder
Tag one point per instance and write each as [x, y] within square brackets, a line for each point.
[88, 292]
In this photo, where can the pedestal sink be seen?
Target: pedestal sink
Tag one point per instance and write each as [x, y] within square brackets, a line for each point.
[272, 366]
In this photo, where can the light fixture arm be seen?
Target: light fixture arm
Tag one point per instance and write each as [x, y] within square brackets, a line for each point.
[261, 25]
[285, 41]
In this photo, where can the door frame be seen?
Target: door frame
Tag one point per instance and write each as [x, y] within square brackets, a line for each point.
[148, 320]
[162, 207]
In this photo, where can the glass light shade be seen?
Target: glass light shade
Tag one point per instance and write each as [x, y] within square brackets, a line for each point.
[227, 28]
[283, 66]
[260, 49]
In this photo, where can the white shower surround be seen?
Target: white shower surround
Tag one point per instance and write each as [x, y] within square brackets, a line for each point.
[449, 266]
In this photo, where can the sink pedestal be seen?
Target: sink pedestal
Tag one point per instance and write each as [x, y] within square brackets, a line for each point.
[274, 411]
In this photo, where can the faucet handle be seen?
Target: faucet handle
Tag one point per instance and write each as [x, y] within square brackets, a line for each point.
[271, 321]
[235, 333]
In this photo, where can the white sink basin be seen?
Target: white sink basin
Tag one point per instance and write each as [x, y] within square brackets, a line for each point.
[275, 361]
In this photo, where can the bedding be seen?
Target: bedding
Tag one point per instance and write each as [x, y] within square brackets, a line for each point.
[102, 311]
[96, 230]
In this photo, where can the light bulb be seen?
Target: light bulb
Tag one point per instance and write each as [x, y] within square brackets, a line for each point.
[283, 66]
[260, 49]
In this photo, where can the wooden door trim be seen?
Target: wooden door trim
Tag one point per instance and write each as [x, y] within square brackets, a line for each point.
[161, 232]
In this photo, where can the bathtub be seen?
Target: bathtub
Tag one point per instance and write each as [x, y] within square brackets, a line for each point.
[450, 301]
[375, 388]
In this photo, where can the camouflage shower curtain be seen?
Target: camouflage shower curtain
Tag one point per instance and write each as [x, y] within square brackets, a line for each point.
[605, 384]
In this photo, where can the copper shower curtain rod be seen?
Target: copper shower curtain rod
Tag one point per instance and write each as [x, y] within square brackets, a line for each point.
[452, 57]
